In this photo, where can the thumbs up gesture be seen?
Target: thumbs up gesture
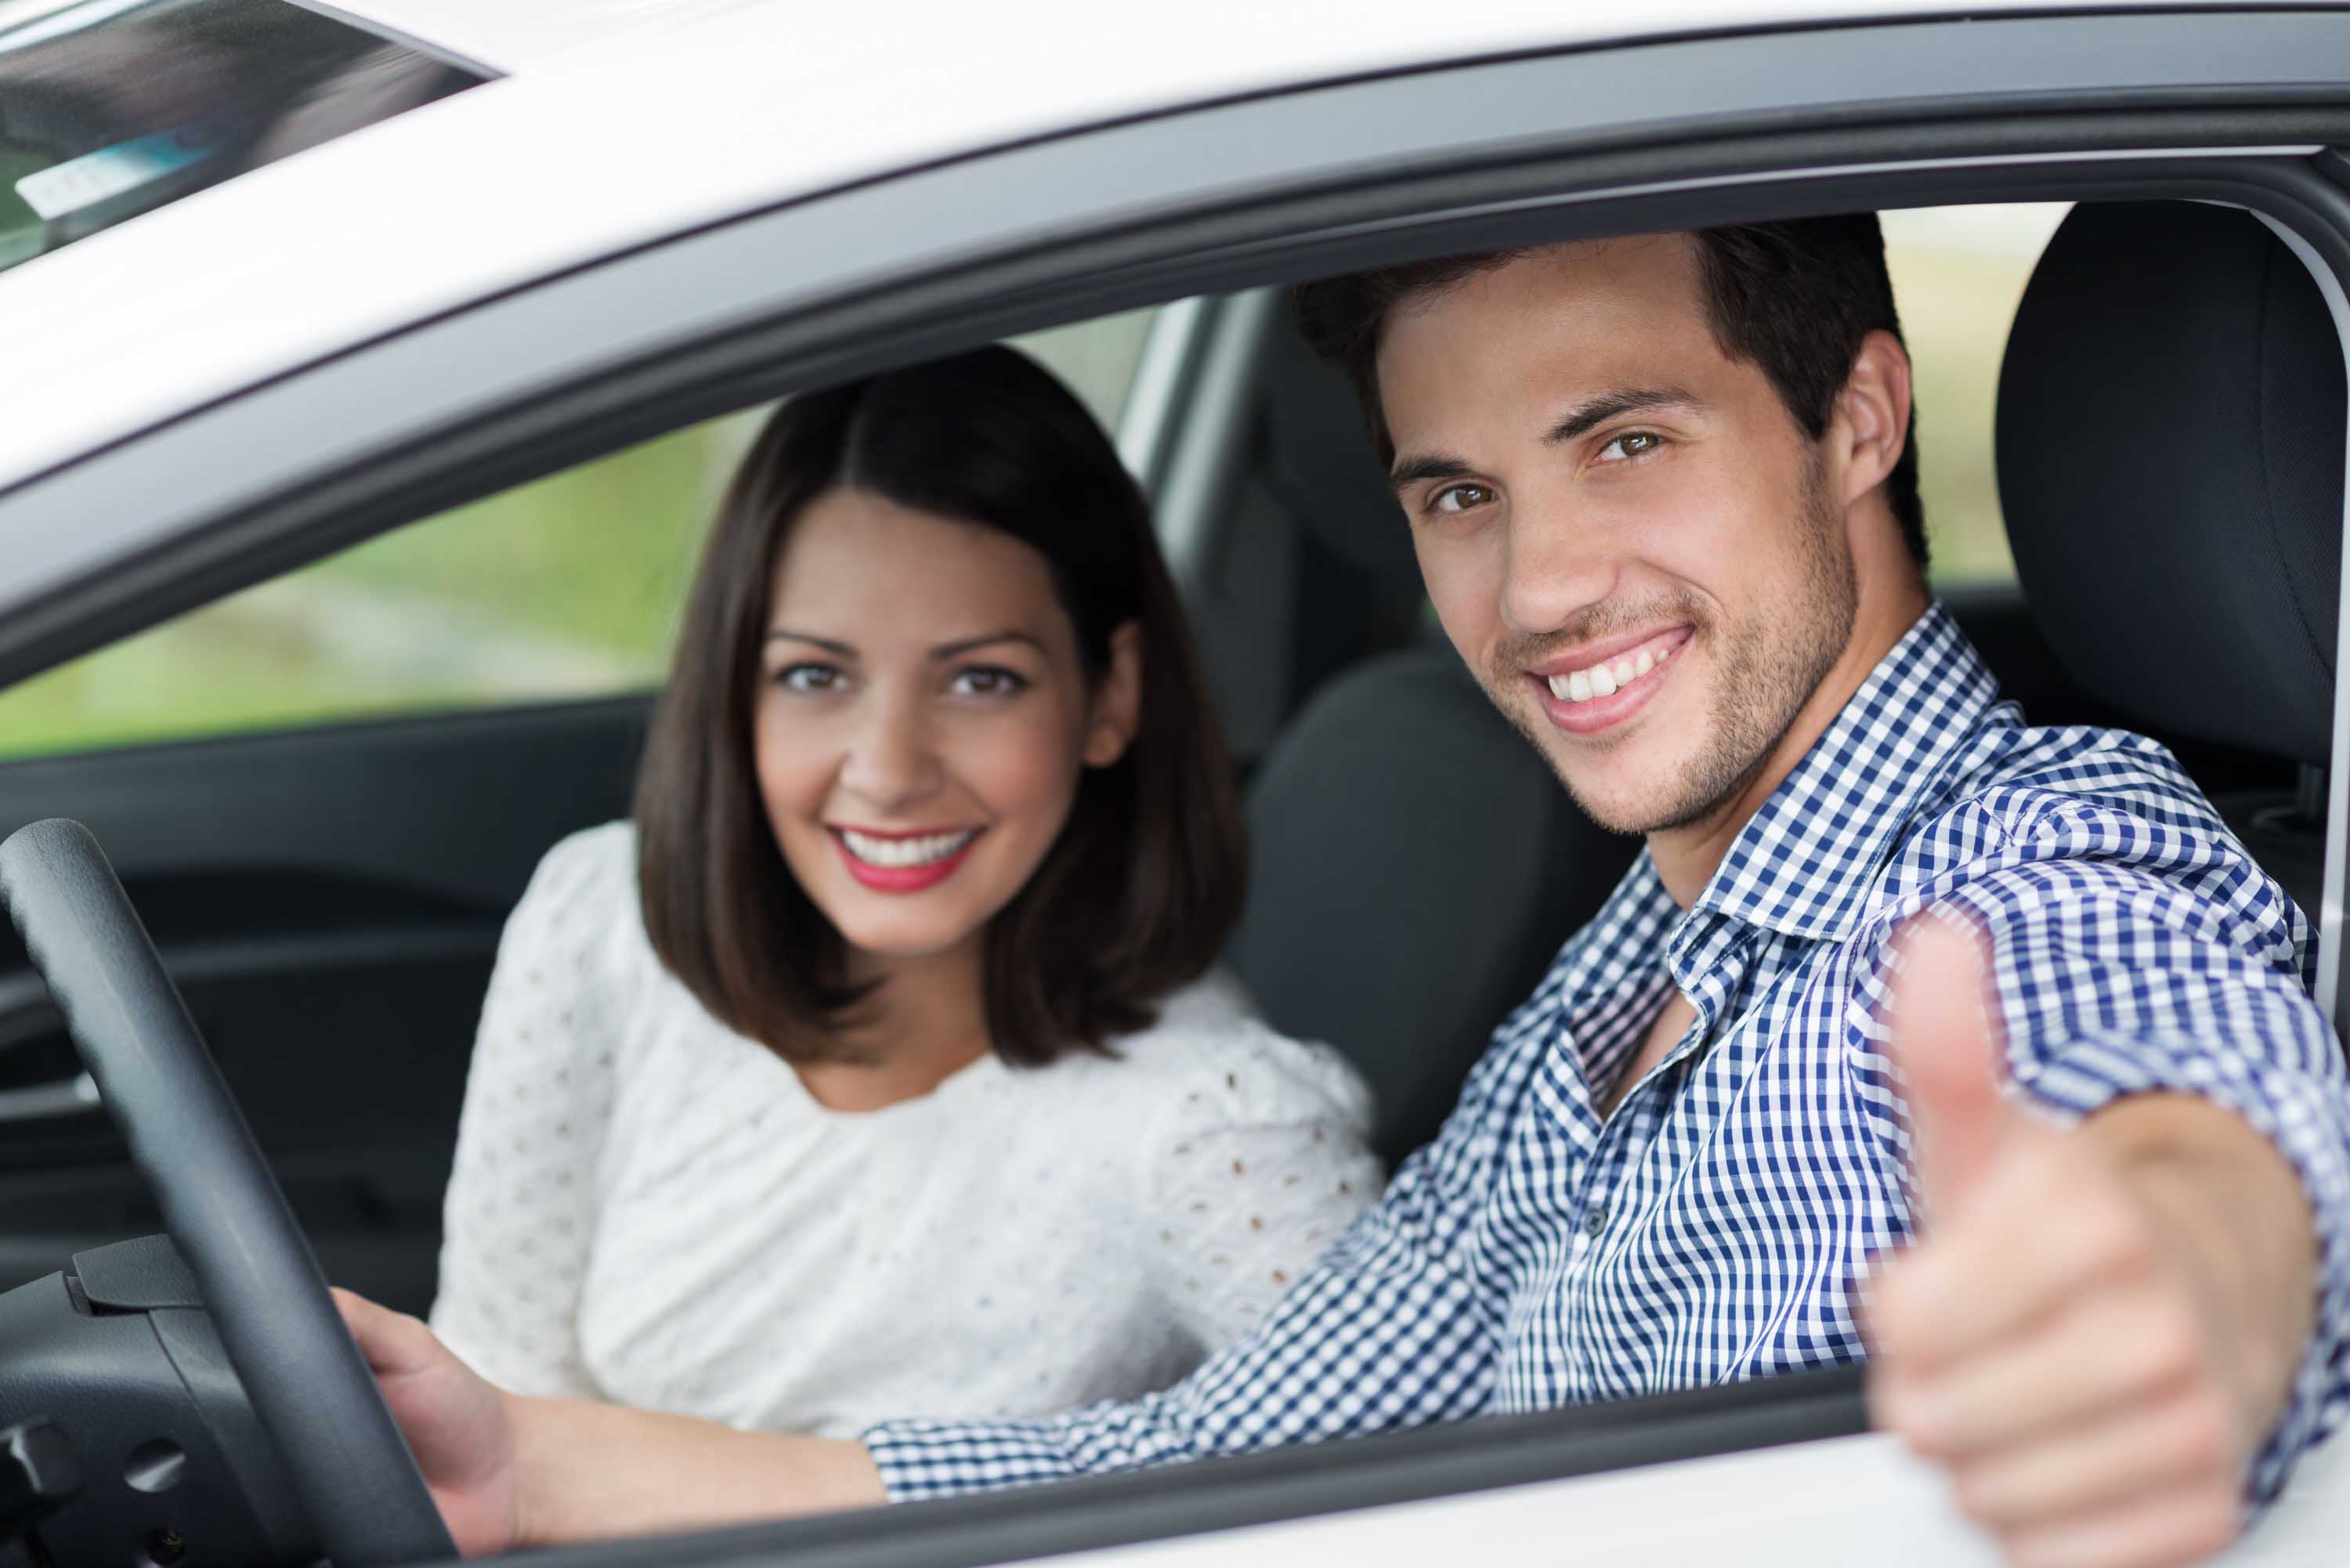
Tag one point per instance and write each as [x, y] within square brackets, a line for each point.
[2100, 1324]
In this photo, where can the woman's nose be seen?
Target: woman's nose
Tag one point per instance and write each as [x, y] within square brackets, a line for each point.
[892, 762]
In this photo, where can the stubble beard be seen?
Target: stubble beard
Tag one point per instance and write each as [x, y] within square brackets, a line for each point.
[1767, 671]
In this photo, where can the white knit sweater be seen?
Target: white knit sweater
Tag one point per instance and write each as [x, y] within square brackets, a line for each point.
[650, 1208]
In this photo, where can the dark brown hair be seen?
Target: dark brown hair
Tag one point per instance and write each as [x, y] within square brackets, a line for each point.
[1137, 895]
[1795, 298]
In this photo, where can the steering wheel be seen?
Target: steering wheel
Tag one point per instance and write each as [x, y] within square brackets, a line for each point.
[268, 1302]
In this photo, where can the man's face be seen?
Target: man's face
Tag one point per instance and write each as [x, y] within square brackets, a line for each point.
[1624, 530]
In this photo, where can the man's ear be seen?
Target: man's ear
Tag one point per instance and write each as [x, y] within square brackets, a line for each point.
[1872, 414]
[1116, 712]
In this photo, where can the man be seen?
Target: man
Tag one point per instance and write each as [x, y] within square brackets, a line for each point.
[1664, 498]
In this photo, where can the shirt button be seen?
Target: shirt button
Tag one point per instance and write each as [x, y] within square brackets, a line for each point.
[1595, 1219]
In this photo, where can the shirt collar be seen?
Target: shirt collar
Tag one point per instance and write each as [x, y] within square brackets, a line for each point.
[1803, 863]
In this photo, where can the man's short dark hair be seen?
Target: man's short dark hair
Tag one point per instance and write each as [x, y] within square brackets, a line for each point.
[1795, 298]
[1137, 895]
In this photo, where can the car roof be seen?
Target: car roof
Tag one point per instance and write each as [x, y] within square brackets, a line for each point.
[620, 122]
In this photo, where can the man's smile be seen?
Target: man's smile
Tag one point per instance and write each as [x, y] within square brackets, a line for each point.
[1599, 686]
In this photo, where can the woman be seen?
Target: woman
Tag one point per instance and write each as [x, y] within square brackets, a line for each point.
[871, 1071]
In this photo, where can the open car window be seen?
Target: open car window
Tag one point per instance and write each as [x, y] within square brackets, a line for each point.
[567, 586]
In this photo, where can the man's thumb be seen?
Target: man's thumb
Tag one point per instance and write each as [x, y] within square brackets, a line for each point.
[1942, 1038]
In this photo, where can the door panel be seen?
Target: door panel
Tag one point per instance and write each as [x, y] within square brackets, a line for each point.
[328, 901]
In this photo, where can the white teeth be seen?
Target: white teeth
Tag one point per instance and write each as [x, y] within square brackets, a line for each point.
[1606, 680]
[898, 852]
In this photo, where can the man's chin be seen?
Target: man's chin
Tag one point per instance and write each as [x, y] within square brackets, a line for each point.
[1649, 800]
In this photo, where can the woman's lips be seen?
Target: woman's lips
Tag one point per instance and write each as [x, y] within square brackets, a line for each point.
[911, 878]
[1595, 713]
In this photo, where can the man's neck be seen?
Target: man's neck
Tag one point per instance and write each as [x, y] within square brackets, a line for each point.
[1686, 856]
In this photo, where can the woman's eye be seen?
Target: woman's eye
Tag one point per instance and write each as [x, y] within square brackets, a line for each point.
[1459, 497]
[987, 680]
[1630, 444]
[807, 678]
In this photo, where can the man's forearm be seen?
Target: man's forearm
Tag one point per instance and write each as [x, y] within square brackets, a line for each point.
[2236, 1210]
[586, 1471]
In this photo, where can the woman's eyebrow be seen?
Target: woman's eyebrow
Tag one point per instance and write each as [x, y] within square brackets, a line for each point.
[785, 634]
[966, 644]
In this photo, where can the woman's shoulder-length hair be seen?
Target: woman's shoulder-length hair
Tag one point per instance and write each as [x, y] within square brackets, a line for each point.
[1142, 888]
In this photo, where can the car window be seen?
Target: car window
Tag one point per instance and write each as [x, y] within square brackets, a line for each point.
[1958, 274]
[108, 110]
[567, 586]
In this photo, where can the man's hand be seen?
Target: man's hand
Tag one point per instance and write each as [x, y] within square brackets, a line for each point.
[2101, 1325]
[459, 1427]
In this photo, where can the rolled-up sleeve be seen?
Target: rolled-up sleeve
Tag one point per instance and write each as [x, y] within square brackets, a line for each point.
[2131, 957]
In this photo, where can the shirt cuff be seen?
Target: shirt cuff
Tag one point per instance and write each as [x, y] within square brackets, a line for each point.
[2306, 1115]
[923, 1460]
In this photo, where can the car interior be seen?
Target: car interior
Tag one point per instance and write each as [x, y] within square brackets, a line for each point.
[2170, 444]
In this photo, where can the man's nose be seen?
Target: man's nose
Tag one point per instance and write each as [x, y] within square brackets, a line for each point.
[892, 759]
[1555, 564]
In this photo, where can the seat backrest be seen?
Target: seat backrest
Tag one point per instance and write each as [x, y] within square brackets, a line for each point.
[1414, 868]
[2170, 428]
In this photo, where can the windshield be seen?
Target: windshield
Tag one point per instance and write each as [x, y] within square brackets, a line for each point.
[112, 108]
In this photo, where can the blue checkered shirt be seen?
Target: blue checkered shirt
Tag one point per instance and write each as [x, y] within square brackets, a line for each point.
[1538, 1254]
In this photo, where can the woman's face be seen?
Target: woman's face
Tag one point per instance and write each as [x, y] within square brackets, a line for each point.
[923, 719]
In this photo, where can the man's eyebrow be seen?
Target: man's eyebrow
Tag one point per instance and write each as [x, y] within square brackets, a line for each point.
[1593, 412]
[1581, 419]
[1411, 470]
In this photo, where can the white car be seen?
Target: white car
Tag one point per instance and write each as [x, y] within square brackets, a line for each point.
[278, 278]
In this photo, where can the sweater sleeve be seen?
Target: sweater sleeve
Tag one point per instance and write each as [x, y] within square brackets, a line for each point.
[520, 1208]
[1398, 1325]
[1257, 1166]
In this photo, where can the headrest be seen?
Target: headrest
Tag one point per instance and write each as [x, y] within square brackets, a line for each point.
[2170, 457]
[1321, 459]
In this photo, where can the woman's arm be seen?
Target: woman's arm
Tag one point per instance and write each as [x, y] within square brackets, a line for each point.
[508, 1471]
[521, 1204]
[1251, 1177]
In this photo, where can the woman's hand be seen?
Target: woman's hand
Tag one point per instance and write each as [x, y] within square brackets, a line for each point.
[509, 1471]
[460, 1429]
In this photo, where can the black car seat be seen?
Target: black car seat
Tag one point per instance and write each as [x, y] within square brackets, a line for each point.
[2170, 429]
[1414, 864]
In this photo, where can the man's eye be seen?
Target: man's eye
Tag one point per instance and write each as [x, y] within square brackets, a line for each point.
[1630, 444]
[988, 680]
[1459, 497]
[808, 677]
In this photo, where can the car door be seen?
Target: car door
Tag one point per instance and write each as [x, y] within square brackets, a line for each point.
[401, 731]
